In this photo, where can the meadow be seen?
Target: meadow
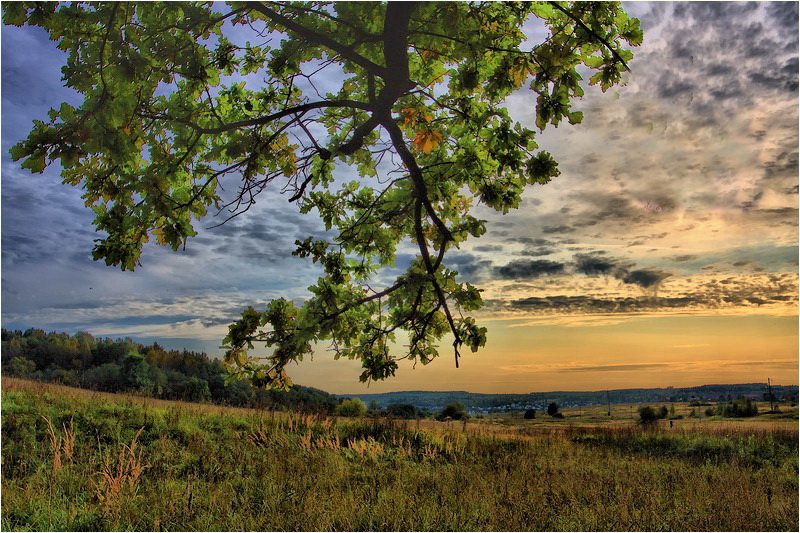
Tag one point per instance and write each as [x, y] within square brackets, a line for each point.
[79, 460]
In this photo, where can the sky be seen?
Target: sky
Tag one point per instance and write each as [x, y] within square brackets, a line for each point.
[665, 254]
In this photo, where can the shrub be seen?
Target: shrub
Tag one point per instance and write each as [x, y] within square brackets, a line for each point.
[402, 410]
[530, 414]
[196, 390]
[648, 415]
[552, 409]
[454, 410]
[741, 407]
[21, 366]
[351, 407]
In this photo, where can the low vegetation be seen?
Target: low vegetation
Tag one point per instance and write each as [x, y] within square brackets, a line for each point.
[77, 460]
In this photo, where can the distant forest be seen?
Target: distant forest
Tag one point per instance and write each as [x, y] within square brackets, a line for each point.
[123, 365]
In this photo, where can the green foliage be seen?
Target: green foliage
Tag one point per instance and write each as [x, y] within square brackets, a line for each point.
[648, 415]
[106, 377]
[741, 407]
[751, 449]
[21, 367]
[351, 407]
[402, 410]
[165, 121]
[122, 365]
[454, 411]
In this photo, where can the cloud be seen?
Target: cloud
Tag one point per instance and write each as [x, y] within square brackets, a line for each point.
[526, 269]
[691, 345]
[591, 265]
[557, 229]
[615, 367]
[644, 278]
[537, 252]
[774, 294]
[467, 264]
[488, 248]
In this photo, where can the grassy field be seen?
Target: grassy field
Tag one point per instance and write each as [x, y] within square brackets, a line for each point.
[77, 460]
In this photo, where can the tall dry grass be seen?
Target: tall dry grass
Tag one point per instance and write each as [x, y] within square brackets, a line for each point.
[119, 475]
[168, 466]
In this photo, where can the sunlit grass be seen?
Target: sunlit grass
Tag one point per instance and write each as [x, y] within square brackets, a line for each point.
[141, 464]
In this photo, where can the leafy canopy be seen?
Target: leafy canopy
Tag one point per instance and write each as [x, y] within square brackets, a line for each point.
[418, 112]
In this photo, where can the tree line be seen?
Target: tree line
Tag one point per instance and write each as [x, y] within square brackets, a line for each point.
[123, 365]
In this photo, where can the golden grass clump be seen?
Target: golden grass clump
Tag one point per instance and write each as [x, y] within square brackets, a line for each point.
[120, 477]
[368, 447]
[63, 448]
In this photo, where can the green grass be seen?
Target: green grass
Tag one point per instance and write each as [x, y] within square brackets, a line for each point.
[216, 469]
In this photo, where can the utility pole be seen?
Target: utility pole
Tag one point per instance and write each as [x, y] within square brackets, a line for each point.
[769, 386]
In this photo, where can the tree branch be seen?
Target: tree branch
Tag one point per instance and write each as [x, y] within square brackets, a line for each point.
[311, 35]
[580, 23]
[261, 120]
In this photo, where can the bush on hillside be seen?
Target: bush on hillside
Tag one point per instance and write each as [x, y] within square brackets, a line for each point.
[454, 410]
[351, 407]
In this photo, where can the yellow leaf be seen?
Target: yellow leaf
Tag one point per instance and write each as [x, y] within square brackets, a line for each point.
[160, 239]
[427, 140]
[428, 54]
[409, 115]
[518, 74]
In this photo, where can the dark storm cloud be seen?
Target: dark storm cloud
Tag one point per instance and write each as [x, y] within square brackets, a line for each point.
[616, 208]
[218, 321]
[537, 252]
[718, 58]
[526, 269]
[783, 79]
[719, 69]
[586, 304]
[749, 291]
[530, 241]
[714, 12]
[468, 265]
[585, 224]
[670, 88]
[594, 264]
[644, 278]
[488, 248]
[785, 14]
[784, 166]
[591, 265]
[558, 229]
